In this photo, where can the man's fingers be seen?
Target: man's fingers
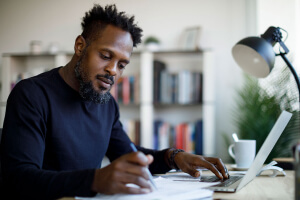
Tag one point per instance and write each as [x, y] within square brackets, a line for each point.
[129, 189]
[132, 168]
[150, 159]
[212, 168]
[192, 171]
[137, 180]
[133, 165]
[137, 157]
[131, 173]
[133, 190]
[219, 165]
[222, 168]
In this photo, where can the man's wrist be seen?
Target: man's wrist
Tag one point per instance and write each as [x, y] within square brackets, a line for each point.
[94, 184]
[170, 157]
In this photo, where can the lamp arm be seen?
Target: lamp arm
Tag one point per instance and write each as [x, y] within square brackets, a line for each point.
[292, 70]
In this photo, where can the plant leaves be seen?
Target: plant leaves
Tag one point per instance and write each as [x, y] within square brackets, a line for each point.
[259, 104]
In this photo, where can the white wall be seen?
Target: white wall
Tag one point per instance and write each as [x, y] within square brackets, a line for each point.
[284, 14]
[223, 23]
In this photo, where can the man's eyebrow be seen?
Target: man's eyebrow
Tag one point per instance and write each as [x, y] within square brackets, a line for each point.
[112, 53]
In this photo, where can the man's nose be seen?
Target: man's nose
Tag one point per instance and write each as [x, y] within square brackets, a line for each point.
[111, 69]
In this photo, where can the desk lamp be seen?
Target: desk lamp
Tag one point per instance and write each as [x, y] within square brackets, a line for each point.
[256, 56]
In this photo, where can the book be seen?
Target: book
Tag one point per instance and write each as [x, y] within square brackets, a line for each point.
[157, 124]
[120, 90]
[132, 129]
[165, 87]
[137, 132]
[158, 67]
[113, 91]
[163, 137]
[186, 136]
[179, 136]
[131, 89]
[136, 89]
[198, 87]
[125, 90]
[174, 88]
[199, 137]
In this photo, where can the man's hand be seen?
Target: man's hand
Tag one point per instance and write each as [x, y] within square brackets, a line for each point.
[189, 163]
[130, 168]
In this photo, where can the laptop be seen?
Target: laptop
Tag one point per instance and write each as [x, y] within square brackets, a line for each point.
[237, 182]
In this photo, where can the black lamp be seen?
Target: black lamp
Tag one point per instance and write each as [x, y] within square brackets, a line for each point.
[256, 56]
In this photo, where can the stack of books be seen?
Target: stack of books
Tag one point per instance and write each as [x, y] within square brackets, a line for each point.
[127, 90]
[184, 87]
[133, 129]
[186, 136]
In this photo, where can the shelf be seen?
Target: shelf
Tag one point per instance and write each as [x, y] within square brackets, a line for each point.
[176, 104]
[28, 54]
[142, 66]
[174, 51]
[129, 105]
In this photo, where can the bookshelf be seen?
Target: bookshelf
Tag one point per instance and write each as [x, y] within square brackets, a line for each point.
[148, 110]
[17, 66]
[145, 109]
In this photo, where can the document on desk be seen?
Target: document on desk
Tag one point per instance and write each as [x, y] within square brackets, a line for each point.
[166, 189]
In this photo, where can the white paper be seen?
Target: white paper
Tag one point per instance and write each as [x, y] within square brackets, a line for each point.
[166, 189]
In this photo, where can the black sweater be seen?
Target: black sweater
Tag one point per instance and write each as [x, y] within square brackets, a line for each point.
[53, 140]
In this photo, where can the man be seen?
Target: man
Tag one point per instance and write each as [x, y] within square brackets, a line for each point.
[60, 124]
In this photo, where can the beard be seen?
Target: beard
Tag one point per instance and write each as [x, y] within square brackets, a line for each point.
[86, 89]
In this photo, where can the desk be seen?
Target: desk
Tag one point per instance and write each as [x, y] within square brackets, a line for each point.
[263, 187]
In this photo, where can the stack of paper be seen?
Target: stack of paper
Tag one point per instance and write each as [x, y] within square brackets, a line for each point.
[167, 189]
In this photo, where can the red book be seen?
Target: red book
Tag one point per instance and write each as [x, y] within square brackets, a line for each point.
[188, 140]
[120, 90]
[184, 136]
[179, 132]
[126, 91]
[114, 91]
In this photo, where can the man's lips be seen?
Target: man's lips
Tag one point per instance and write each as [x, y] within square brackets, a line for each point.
[104, 82]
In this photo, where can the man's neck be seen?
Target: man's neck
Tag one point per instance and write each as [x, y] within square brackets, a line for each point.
[68, 74]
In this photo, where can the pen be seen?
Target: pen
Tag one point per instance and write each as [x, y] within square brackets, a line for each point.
[148, 172]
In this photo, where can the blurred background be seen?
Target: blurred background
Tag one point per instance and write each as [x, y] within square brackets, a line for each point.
[55, 24]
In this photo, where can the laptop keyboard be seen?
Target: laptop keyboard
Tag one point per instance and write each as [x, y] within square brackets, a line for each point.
[223, 182]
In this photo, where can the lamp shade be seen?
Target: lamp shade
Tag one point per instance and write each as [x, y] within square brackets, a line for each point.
[255, 56]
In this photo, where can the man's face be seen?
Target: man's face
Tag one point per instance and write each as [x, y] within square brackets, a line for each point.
[102, 63]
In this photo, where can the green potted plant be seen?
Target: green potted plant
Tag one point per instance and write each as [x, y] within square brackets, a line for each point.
[152, 43]
[260, 103]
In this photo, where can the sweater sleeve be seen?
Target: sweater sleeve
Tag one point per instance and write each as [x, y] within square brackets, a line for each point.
[23, 146]
[159, 166]
[120, 144]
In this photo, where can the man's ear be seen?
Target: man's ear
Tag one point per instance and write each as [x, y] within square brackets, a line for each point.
[80, 45]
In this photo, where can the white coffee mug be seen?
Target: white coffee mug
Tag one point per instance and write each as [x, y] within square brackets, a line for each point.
[244, 152]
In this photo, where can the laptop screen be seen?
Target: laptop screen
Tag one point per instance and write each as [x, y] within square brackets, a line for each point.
[266, 148]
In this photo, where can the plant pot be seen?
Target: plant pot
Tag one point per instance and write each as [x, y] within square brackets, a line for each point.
[152, 46]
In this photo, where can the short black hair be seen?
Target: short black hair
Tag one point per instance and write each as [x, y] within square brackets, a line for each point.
[98, 18]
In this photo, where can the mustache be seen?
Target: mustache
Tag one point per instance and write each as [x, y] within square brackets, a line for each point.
[111, 78]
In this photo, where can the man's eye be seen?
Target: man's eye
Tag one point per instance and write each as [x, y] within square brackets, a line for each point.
[121, 66]
[105, 57]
